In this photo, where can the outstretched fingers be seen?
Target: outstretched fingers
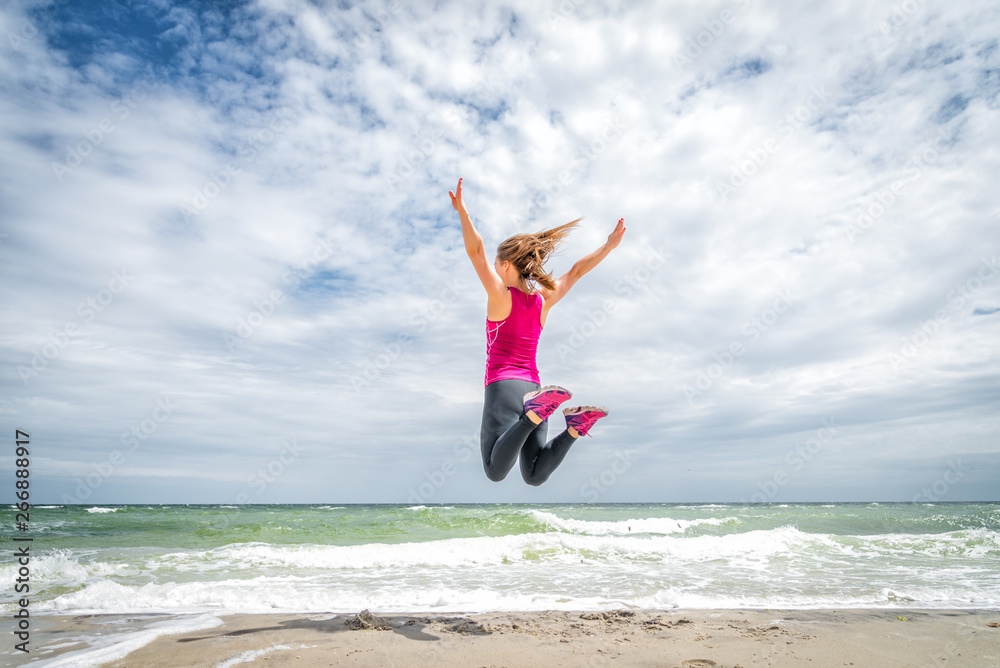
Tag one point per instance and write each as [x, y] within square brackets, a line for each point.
[615, 237]
[456, 197]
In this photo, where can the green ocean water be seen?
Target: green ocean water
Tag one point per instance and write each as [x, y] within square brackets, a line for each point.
[479, 557]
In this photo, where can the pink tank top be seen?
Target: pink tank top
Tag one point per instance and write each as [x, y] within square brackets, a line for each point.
[511, 343]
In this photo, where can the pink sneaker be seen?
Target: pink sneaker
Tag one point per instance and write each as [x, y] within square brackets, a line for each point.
[546, 400]
[582, 418]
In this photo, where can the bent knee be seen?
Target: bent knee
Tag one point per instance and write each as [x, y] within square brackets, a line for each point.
[495, 476]
[535, 482]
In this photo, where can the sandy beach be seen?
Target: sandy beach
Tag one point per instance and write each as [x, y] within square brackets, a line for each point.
[685, 639]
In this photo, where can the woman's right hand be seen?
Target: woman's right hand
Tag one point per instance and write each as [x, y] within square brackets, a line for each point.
[456, 198]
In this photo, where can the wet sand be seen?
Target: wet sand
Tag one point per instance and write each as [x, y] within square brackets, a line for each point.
[678, 638]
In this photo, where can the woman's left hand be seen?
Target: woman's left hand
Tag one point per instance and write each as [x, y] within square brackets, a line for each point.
[615, 237]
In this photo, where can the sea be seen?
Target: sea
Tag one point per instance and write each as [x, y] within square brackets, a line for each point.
[199, 562]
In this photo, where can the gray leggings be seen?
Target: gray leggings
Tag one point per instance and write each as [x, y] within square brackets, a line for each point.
[507, 432]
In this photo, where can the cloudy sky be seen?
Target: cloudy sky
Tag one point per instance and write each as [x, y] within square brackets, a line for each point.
[232, 273]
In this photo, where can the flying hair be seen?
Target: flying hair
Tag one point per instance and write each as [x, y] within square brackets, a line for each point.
[528, 253]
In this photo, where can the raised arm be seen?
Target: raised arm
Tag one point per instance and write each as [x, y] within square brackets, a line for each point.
[476, 249]
[582, 266]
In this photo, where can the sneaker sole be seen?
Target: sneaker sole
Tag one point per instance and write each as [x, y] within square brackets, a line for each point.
[583, 409]
[535, 393]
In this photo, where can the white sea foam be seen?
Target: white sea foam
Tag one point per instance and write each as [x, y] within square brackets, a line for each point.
[106, 648]
[656, 525]
[611, 544]
[563, 564]
[451, 552]
[264, 595]
[458, 552]
[98, 509]
[63, 566]
[250, 656]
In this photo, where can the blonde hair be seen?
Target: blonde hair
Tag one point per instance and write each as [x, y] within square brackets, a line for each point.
[528, 253]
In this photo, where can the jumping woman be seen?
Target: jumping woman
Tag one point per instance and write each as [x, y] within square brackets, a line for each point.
[519, 296]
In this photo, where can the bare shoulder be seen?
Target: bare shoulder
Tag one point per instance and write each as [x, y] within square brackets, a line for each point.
[498, 305]
[553, 296]
[546, 294]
